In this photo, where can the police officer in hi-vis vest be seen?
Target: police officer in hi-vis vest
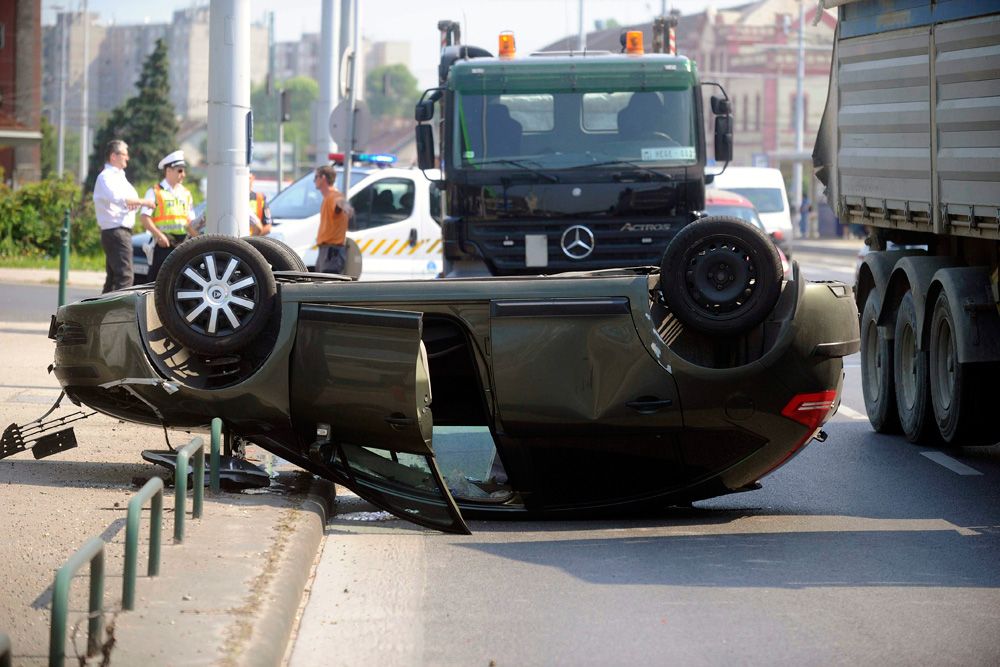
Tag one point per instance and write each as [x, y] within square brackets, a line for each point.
[170, 220]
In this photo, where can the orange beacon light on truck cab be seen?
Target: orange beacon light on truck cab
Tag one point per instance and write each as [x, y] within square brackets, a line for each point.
[507, 48]
[633, 43]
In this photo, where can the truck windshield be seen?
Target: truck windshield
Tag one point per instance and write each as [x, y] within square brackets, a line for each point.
[575, 130]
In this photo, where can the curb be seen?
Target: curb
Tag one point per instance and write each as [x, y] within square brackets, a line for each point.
[272, 629]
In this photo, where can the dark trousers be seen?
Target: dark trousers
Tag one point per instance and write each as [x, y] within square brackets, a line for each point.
[331, 259]
[160, 254]
[117, 244]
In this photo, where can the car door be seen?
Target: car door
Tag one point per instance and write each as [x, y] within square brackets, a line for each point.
[577, 390]
[360, 393]
[386, 228]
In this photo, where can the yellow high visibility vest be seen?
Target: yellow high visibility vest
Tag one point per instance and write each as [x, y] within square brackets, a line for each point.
[259, 200]
[171, 213]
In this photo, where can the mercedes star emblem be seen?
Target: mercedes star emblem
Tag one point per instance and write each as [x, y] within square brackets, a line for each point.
[577, 242]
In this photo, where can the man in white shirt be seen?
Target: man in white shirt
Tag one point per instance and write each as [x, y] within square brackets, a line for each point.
[115, 202]
[169, 215]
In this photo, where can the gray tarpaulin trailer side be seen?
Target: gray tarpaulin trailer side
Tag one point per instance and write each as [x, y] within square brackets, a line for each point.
[910, 147]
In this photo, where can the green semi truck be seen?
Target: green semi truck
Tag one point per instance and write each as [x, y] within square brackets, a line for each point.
[909, 147]
[566, 161]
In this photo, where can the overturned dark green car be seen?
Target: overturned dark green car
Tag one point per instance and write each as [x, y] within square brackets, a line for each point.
[559, 395]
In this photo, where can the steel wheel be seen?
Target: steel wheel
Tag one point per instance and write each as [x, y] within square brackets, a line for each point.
[214, 294]
[720, 275]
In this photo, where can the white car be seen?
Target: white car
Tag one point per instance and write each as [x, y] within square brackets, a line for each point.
[396, 222]
[765, 187]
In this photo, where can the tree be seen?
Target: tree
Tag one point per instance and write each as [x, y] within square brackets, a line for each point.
[50, 151]
[147, 122]
[391, 90]
[303, 93]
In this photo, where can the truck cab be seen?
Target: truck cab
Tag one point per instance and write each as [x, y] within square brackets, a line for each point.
[567, 161]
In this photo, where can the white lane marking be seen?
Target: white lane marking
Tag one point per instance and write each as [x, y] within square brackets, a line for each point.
[851, 413]
[951, 464]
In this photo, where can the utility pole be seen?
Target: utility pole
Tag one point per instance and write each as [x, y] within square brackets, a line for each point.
[799, 119]
[582, 34]
[60, 158]
[82, 174]
[352, 96]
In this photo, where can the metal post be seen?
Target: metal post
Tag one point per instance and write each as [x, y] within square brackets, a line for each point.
[214, 449]
[63, 258]
[351, 97]
[281, 140]
[60, 157]
[84, 148]
[581, 37]
[197, 448]
[799, 120]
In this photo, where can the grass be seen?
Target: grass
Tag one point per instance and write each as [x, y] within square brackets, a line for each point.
[76, 262]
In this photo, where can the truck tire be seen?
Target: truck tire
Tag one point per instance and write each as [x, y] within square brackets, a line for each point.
[215, 294]
[913, 401]
[719, 275]
[278, 254]
[959, 399]
[877, 370]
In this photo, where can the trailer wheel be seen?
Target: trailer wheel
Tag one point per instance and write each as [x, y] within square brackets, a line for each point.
[278, 254]
[876, 370]
[719, 275]
[913, 401]
[958, 398]
[215, 294]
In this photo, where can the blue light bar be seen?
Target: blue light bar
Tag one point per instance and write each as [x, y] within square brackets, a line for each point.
[377, 158]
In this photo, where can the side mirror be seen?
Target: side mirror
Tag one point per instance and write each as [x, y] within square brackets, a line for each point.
[721, 106]
[723, 138]
[425, 146]
[424, 111]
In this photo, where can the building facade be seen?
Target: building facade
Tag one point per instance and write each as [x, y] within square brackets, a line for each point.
[20, 99]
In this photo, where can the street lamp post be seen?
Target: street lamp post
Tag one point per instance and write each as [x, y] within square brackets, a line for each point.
[799, 119]
[60, 158]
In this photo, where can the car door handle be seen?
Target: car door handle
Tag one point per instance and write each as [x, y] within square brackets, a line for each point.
[647, 405]
[413, 236]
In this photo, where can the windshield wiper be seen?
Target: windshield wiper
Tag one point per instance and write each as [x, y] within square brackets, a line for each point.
[638, 167]
[520, 165]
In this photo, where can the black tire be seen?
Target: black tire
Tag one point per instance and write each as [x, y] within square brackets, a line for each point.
[877, 370]
[913, 400]
[719, 275]
[207, 277]
[278, 254]
[959, 392]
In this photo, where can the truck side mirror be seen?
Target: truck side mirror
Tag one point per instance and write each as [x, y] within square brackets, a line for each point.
[723, 138]
[425, 146]
[424, 111]
[721, 106]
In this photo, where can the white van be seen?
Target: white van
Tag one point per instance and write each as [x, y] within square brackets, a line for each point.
[395, 224]
[765, 187]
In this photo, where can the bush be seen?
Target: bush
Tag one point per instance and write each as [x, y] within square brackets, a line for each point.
[31, 219]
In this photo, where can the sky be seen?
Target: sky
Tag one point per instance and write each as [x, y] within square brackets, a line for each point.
[535, 23]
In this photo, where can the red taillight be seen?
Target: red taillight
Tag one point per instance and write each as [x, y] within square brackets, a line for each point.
[777, 235]
[810, 409]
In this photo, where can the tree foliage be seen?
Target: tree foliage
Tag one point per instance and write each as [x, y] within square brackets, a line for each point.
[391, 90]
[147, 122]
[303, 93]
[31, 219]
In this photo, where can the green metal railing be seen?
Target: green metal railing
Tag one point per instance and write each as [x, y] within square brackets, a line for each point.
[197, 448]
[5, 652]
[63, 258]
[92, 552]
[153, 491]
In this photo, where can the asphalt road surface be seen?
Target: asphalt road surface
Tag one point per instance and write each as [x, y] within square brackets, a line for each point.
[862, 550]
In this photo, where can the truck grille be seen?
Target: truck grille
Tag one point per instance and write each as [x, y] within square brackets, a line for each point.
[616, 243]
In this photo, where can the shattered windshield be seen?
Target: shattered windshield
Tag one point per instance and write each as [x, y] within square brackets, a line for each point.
[575, 129]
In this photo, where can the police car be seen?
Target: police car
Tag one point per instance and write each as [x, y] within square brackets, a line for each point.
[396, 223]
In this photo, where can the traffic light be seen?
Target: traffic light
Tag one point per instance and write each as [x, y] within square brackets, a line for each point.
[286, 107]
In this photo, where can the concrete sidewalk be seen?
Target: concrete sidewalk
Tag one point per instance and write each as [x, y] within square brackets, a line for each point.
[51, 277]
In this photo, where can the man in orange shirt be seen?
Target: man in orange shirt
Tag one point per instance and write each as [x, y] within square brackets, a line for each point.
[334, 214]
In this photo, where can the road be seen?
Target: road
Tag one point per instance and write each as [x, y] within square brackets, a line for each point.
[864, 550]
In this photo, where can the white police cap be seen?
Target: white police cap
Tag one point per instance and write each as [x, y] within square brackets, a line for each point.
[175, 159]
